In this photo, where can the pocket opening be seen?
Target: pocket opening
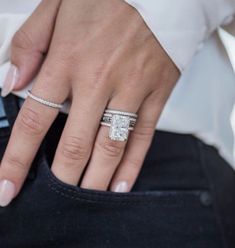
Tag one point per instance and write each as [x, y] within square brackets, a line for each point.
[163, 197]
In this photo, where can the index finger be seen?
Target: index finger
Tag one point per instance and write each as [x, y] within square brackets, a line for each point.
[32, 123]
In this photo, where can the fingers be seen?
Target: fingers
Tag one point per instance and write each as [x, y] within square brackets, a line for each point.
[77, 140]
[104, 160]
[29, 44]
[107, 153]
[32, 123]
[137, 147]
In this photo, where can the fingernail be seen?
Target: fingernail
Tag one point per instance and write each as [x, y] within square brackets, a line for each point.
[121, 187]
[7, 192]
[10, 81]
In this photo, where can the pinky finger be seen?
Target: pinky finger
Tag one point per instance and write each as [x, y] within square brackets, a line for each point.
[137, 148]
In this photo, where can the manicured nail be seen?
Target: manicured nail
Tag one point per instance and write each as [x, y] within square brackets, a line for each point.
[7, 192]
[11, 80]
[121, 187]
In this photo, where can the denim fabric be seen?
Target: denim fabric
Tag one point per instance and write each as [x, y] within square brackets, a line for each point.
[184, 197]
[3, 120]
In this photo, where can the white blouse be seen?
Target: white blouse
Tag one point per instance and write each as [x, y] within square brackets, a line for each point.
[203, 99]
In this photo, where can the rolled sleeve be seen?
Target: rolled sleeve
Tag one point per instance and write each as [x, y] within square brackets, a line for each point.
[181, 26]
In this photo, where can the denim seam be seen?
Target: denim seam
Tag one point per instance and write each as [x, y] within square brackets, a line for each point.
[101, 201]
[98, 201]
[56, 187]
[215, 205]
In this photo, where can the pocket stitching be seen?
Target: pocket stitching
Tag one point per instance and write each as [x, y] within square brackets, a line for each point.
[80, 198]
[57, 188]
[113, 199]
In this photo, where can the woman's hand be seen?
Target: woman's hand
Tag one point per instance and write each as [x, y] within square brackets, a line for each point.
[99, 54]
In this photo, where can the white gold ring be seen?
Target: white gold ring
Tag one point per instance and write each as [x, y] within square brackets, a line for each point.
[120, 123]
[43, 101]
[112, 111]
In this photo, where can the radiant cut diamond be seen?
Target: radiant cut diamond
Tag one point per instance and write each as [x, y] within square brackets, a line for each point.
[119, 127]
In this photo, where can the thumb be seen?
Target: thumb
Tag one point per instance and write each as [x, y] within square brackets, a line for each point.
[29, 45]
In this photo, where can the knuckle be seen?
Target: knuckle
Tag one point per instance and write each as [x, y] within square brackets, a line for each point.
[55, 72]
[101, 72]
[13, 163]
[110, 147]
[144, 132]
[75, 148]
[29, 122]
[134, 76]
[22, 40]
[135, 164]
[68, 55]
[100, 75]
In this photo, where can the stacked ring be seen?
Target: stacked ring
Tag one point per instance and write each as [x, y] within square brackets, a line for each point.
[120, 123]
[43, 101]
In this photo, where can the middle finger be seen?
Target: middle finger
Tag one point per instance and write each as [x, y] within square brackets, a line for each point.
[77, 139]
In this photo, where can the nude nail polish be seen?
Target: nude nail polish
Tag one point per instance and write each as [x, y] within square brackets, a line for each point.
[10, 81]
[7, 192]
[121, 187]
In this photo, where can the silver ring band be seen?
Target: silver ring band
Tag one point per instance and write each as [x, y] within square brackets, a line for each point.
[109, 125]
[112, 111]
[43, 101]
[107, 120]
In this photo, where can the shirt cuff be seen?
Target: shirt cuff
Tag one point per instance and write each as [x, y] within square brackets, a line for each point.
[182, 26]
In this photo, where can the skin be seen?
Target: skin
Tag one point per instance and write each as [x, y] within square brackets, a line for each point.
[99, 54]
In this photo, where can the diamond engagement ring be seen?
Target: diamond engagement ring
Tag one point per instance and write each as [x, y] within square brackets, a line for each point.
[120, 123]
[43, 101]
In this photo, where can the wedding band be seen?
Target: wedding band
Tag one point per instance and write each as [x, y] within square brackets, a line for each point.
[120, 123]
[112, 111]
[43, 101]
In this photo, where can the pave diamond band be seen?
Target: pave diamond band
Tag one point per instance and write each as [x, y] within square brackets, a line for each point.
[120, 123]
[107, 120]
[43, 101]
[112, 111]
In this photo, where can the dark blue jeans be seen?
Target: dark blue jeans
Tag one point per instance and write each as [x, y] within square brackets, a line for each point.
[184, 198]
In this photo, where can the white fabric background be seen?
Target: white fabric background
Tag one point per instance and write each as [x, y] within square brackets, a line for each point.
[201, 103]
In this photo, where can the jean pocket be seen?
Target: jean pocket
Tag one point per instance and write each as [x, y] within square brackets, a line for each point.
[76, 193]
[50, 213]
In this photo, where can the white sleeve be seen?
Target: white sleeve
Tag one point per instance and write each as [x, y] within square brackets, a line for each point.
[181, 26]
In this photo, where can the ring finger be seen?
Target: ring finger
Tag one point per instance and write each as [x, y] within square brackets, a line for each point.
[107, 153]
